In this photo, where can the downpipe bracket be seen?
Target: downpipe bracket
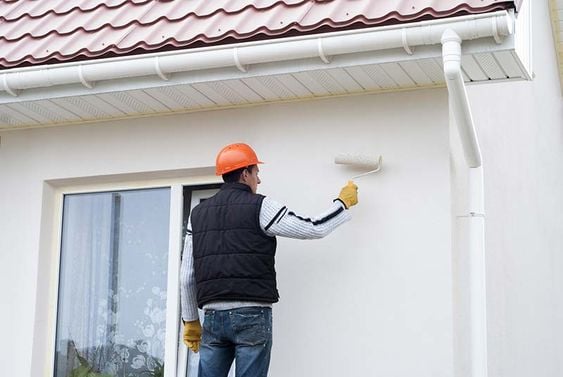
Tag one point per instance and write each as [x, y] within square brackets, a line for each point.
[472, 215]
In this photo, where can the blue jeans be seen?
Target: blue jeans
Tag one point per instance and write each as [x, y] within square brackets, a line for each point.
[243, 334]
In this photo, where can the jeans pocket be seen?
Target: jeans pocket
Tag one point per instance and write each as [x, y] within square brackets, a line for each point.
[250, 327]
[208, 336]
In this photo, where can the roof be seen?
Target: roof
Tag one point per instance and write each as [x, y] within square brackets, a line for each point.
[34, 32]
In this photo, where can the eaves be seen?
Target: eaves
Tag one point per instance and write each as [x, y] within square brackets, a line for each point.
[496, 47]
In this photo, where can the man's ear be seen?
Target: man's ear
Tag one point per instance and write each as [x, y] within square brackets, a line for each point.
[244, 175]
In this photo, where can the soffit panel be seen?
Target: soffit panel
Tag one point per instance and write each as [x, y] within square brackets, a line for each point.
[307, 79]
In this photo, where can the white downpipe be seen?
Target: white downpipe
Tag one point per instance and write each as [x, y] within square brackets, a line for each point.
[469, 278]
[240, 56]
[451, 50]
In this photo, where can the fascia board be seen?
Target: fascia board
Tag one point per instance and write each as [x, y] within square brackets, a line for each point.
[523, 38]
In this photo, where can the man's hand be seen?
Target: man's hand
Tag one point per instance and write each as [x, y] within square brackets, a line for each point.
[192, 335]
[349, 194]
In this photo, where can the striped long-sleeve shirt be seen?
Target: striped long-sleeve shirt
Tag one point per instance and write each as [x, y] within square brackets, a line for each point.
[275, 220]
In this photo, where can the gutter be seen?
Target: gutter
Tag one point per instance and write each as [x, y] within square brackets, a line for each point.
[496, 24]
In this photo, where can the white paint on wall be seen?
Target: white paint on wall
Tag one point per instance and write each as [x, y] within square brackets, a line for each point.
[520, 126]
[375, 292]
[374, 298]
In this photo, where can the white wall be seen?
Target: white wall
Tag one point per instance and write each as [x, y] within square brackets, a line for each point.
[373, 299]
[520, 126]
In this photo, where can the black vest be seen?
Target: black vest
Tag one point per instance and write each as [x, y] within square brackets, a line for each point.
[233, 257]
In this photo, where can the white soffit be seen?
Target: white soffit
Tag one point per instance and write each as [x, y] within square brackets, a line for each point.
[393, 69]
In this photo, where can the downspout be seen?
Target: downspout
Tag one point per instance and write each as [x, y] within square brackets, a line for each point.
[468, 246]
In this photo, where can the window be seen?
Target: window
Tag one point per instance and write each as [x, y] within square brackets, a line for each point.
[112, 298]
[118, 300]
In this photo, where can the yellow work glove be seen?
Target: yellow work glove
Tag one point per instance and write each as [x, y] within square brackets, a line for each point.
[349, 194]
[192, 335]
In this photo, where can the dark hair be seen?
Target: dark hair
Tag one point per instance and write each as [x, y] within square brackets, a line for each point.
[234, 176]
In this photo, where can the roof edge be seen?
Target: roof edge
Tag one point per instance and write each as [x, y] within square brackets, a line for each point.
[496, 25]
[227, 37]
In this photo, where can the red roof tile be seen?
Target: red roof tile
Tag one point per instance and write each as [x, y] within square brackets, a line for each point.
[43, 32]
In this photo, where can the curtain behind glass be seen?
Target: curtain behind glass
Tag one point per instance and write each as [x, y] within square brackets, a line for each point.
[112, 284]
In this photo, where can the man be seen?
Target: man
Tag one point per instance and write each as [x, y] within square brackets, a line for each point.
[228, 265]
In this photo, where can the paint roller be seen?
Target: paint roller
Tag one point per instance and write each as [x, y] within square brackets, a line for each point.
[361, 161]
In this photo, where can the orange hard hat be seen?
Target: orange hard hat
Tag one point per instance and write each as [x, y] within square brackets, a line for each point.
[235, 156]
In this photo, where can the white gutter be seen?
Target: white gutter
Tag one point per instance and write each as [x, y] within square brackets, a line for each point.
[469, 292]
[496, 25]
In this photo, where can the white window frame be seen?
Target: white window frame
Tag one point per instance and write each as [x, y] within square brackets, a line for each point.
[183, 352]
[175, 352]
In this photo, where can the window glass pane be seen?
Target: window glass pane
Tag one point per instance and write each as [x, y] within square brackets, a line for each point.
[111, 315]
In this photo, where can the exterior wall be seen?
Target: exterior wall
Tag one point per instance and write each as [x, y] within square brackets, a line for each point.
[520, 126]
[374, 298]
